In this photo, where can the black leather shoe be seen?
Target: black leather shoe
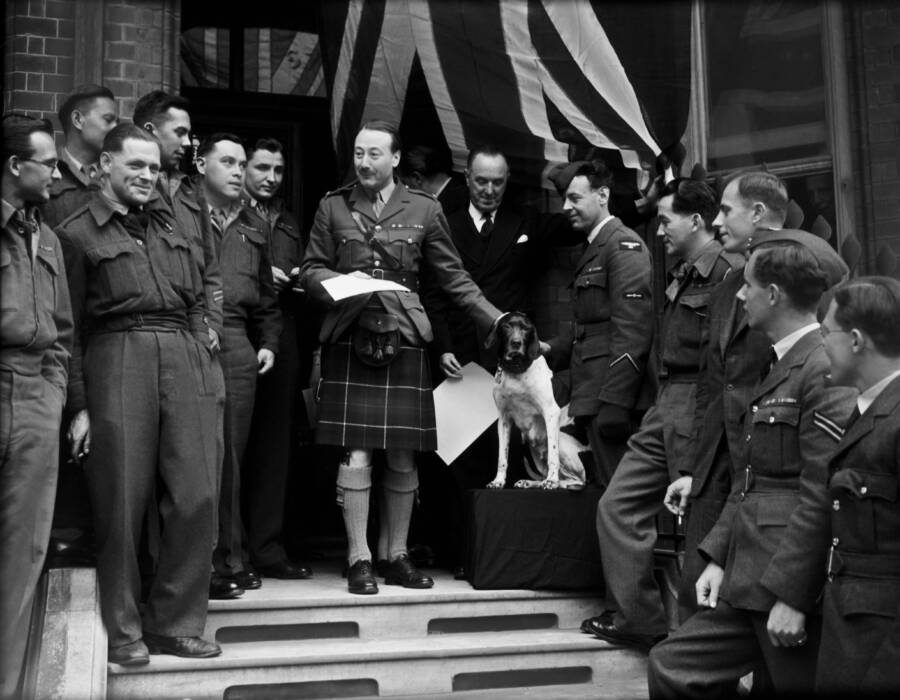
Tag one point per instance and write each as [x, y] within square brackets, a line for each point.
[401, 572]
[188, 647]
[221, 588]
[75, 552]
[131, 654]
[248, 580]
[605, 616]
[285, 569]
[608, 632]
[360, 579]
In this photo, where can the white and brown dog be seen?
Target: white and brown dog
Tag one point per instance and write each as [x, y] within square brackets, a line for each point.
[524, 396]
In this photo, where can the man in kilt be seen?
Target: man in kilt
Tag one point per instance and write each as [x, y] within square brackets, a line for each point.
[375, 391]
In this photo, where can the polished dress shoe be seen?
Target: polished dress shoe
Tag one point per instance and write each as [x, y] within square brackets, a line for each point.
[131, 654]
[587, 625]
[606, 630]
[248, 579]
[401, 572]
[360, 579]
[284, 569]
[221, 588]
[188, 647]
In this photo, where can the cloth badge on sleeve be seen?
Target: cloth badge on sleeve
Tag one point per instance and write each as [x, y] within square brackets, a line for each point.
[629, 245]
[625, 356]
[828, 426]
[634, 296]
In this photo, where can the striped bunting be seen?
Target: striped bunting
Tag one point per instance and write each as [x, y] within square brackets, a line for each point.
[828, 426]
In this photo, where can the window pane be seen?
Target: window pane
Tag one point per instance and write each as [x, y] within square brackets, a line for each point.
[814, 193]
[204, 57]
[283, 61]
[766, 82]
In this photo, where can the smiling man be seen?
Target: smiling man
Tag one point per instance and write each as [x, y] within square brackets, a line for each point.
[375, 391]
[609, 345]
[252, 326]
[137, 382]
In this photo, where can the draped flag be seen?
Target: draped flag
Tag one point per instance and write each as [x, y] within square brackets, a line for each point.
[534, 77]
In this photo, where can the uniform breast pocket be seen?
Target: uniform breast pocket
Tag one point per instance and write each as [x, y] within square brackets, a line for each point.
[698, 304]
[117, 269]
[286, 247]
[48, 278]
[775, 428]
[404, 243]
[179, 262]
[12, 287]
[868, 505]
[592, 295]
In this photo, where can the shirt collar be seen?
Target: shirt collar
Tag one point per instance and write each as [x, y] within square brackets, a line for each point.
[705, 259]
[442, 187]
[478, 216]
[596, 230]
[785, 344]
[865, 399]
[103, 208]
[28, 213]
[76, 167]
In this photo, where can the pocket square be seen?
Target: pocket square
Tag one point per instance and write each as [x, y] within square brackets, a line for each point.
[523, 238]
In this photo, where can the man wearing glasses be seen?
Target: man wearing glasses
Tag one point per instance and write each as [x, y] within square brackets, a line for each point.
[35, 336]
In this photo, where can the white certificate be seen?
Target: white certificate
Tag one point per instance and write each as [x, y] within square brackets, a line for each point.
[344, 286]
[464, 408]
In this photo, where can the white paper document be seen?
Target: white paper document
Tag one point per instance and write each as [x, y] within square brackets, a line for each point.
[463, 408]
[344, 286]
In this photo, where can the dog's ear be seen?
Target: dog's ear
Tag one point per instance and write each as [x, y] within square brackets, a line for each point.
[534, 344]
[491, 338]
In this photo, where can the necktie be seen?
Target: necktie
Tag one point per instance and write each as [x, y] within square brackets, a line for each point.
[217, 217]
[853, 418]
[487, 226]
[378, 205]
[770, 362]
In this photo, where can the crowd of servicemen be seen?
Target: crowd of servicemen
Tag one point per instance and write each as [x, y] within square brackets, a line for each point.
[157, 322]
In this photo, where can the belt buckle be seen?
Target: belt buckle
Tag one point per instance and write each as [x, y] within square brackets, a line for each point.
[378, 273]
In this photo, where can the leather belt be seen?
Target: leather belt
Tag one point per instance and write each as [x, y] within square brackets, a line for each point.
[410, 280]
[678, 376]
[165, 321]
[586, 330]
[879, 566]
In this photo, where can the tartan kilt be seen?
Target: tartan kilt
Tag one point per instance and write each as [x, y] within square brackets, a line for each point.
[363, 407]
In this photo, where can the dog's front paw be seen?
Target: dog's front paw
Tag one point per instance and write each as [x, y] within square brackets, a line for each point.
[550, 484]
[496, 484]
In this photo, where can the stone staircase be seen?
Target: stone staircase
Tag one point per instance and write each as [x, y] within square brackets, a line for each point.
[311, 639]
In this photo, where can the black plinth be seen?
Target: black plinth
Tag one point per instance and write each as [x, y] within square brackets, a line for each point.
[533, 539]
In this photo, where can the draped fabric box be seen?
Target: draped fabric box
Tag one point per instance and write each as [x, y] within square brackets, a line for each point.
[533, 539]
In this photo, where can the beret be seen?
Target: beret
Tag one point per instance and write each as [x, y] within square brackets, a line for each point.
[832, 263]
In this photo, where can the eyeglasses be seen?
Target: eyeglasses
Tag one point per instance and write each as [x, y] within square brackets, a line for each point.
[51, 164]
[826, 331]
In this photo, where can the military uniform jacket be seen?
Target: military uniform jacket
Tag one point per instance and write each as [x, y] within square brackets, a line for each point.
[35, 313]
[67, 195]
[413, 230]
[865, 526]
[729, 370]
[610, 341]
[117, 277]
[772, 536]
[502, 264]
[286, 245]
[249, 300]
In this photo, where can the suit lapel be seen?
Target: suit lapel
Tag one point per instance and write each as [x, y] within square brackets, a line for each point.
[795, 356]
[360, 203]
[732, 312]
[506, 228]
[465, 235]
[594, 246]
[886, 403]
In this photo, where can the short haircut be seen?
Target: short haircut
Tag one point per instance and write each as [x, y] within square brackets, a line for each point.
[760, 186]
[795, 269]
[116, 138]
[265, 144]
[17, 131]
[79, 99]
[426, 160]
[386, 127]
[692, 197]
[208, 144]
[483, 149]
[596, 172]
[153, 106]
[871, 304]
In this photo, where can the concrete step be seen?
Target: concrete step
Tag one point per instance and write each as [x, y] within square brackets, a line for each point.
[322, 608]
[436, 665]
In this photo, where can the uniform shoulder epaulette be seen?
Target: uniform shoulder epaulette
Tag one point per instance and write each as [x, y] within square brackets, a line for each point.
[735, 260]
[340, 190]
[77, 214]
[416, 190]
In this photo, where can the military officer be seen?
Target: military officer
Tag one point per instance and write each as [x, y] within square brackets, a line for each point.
[860, 649]
[609, 345]
[375, 390]
[35, 339]
[625, 516]
[252, 325]
[766, 552]
[271, 449]
[138, 384]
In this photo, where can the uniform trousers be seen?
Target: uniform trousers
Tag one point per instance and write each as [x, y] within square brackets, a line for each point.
[272, 450]
[626, 525]
[239, 366]
[705, 657]
[30, 411]
[146, 394]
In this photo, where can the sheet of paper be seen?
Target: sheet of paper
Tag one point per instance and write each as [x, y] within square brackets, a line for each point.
[344, 286]
[464, 408]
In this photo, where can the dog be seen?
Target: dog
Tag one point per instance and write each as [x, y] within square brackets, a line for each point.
[523, 393]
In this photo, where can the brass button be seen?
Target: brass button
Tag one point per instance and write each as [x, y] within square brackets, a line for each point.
[730, 387]
[377, 263]
[377, 228]
[835, 542]
[771, 419]
[836, 504]
[139, 242]
[754, 409]
[864, 490]
[409, 240]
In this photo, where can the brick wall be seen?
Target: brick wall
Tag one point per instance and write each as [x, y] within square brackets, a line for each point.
[43, 61]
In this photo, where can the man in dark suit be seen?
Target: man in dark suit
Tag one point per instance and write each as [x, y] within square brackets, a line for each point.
[860, 650]
[430, 169]
[766, 553]
[609, 345]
